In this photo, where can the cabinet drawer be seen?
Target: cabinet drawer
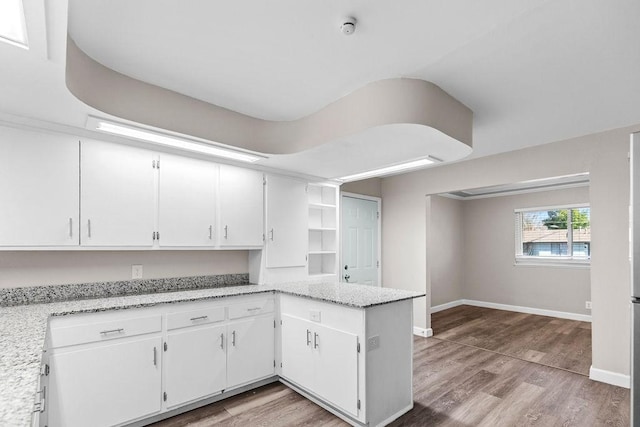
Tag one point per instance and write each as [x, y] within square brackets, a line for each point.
[251, 308]
[192, 317]
[62, 336]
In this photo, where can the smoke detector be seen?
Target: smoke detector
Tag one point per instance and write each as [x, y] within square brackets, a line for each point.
[348, 27]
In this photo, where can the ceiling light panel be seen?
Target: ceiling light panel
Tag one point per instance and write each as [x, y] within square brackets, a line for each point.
[13, 29]
[402, 167]
[167, 140]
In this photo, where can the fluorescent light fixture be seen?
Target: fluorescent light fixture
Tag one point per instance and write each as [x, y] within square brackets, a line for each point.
[170, 140]
[13, 29]
[390, 169]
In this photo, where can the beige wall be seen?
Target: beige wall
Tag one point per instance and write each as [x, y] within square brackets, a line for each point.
[368, 187]
[488, 259]
[60, 267]
[603, 155]
[445, 249]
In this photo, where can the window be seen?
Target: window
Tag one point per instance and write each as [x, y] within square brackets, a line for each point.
[553, 235]
[12, 26]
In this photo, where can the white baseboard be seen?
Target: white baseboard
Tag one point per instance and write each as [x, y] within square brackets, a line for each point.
[422, 332]
[516, 308]
[609, 377]
[446, 305]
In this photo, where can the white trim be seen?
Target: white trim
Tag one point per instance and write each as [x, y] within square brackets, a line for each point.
[446, 305]
[556, 207]
[422, 332]
[516, 308]
[379, 249]
[609, 377]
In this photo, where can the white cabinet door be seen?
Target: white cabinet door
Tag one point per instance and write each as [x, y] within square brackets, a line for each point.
[194, 364]
[105, 385]
[187, 201]
[241, 207]
[297, 358]
[318, 358]
[39, 189]
[336, 363]
[250, 353]
[117, 195]
[287, 218]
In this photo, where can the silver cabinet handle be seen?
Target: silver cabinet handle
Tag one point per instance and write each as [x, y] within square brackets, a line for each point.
[271, 232]
[315, 340]
[308, 338]
[222, 341]
[193, 319]
[254, 308]
[155, 357]
[210, 232]
[112, 331]
[89, 227]
[71, 228]
[226, 231]
[233, 338]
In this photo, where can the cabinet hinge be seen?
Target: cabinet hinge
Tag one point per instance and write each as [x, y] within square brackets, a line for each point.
[45, 370]
[164, 397]
[378, 215]
[378, 264]
[358, 348]
[306, 188]
[166, 346]
[358, 403]
[274, 324]
[158, 164]
[264, 180]
[153, 164]
[281, 364]
[274, 363]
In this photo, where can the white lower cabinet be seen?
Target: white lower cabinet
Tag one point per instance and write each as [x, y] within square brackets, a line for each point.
[250, 354]
[139, 365]
[195, 364]
[105, 384]
[323, 360]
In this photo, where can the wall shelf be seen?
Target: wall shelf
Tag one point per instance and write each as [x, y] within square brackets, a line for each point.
[323, 230]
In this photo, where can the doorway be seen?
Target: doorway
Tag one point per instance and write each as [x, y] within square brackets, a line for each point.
[360, 225]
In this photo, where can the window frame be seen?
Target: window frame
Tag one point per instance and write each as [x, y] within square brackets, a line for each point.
[569, 260]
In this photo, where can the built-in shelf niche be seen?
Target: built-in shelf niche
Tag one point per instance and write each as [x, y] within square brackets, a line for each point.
[323, 229]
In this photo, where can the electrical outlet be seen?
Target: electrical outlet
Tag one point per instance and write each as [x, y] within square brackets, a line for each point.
[315, 315]
[587, 305]
[373, 342]
[136, 271]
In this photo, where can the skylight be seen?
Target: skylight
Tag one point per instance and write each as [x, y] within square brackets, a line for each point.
[13, 29]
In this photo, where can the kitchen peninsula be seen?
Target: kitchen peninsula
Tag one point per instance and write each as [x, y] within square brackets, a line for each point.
[316, 335]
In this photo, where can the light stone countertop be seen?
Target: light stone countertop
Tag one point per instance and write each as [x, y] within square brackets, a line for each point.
[23, 329]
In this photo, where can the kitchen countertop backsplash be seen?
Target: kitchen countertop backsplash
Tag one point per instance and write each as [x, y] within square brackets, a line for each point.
[46, 294]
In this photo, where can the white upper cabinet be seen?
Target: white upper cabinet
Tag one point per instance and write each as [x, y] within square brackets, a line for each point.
[287, 221]
[38, 189]
[117, 194]
[241, 207]
[187, 202]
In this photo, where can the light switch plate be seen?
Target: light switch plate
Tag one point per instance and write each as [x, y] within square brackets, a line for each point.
[315, 315]
[136, 271]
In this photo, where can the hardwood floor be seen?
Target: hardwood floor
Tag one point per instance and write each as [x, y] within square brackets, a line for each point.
[460, 384]
[560, 343]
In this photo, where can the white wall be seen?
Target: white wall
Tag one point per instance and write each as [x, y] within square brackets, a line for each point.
[488, 258]
[445, 249]
[60, 267]
[603, 155]
[368, 187]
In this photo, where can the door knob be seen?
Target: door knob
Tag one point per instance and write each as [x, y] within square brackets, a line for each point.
[346, 267]
[346, 278]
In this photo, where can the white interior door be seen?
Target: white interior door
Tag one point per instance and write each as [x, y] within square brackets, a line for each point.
[360, 231]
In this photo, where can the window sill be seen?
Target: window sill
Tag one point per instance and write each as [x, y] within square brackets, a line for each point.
[547, 262]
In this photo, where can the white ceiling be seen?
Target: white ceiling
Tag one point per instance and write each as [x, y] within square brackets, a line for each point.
[532, 71]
